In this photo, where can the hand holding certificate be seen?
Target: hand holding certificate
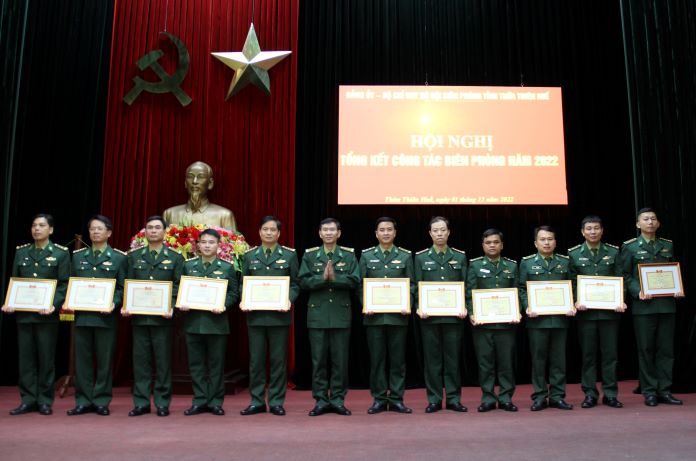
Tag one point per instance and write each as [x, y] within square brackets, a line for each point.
[550, 298]
[660, 279]
[202, 293]
[441, 299]
[30, 295]
[147, 297]
[265, 293]
[600, 293]
[386, 295]
[89, 294]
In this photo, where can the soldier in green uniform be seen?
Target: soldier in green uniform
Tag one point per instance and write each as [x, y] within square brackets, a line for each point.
[37, 333]
[442, 336]
[386, 333]
[330, 273]
[547, 333]
[268, 330]
[95, 332]
[206, 332]
[653, 318]
[494, 342]
[597, 326]
[152, 335]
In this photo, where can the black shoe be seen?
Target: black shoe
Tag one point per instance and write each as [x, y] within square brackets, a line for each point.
[277, 410]
[318, 410]
[507, 406]
[139, 411]
[539, 405]
[399, 407]
[456, 407]
[162, 411]
[669, 399]
[24, 408]
[589, 402]
[80, 410]
[485, 407]
[377, 408]
[253, 410]
[45, 409]
[611, 402]
[341, 410]
[217, 410]
[102, 410]
[560, 404]
[650, 400]
[433, 407]
[196, 410]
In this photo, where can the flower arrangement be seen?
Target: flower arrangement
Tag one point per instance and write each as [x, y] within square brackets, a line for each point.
[183, 239]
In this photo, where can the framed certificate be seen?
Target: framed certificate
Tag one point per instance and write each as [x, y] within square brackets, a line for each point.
[265, 293]
[441, 298]
[386, 295]
[495, 305]
[551, 297]
[661, 279]
[600, 292]
[201, 293]
[88, 294]
[30, 295]
[147, 297]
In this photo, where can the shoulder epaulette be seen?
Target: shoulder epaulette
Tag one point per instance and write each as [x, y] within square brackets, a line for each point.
[476, 259]
[120, 251]
[630, 240]
[135, 249]
[666, 240]
[311, 249]
[61, 247]
[613, 246]
[404, 250]
[562, 256]
[348, 249]
[529, 256]
[574, 248]
[422, 251]
[458, 251]
[191, 259]
[23, 246]
[288, 248]
[510, 259]
[365, 250]
[251, 249]
[81, 249]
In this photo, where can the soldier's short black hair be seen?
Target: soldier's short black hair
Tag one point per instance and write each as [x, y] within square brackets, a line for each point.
[435, 219]
[46, 216]
[211, 232]
[156, 217]
[546, 229]
[492, 231]
[385, 219]
[326, 221]
[645, 210]
[591, 219]
[103, 219]
[267, 218]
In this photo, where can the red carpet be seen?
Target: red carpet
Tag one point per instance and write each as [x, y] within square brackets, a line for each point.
[634, 432]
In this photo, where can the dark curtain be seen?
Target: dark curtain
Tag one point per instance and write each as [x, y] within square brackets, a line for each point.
[55, 71]
[660, 42]
[249, 140]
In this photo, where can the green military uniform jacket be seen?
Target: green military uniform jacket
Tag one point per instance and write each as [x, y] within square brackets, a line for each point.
[398, 264]
[281, 262]
[52, 262]
[167, 266]
[483, 274]
[607, 262]
[532, 268]
[110, 264]
[203, 322]
[639, 251]
[430, 267]
[329, 301]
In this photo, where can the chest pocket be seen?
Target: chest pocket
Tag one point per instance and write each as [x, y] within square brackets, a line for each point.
[484, 275]
[165, 267]
[609, 261]
[46, 263]
[277, 265]
[429, 267]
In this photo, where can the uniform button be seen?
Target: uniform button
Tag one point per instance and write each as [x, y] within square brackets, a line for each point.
[442, 268]
[151, 278]
[330, 290]
[443, 278]
[496, 285]
[36, 264]
[94, 268]
[385, 276]
[268, 268]
[35, 274]
[330, 300]
[386, 266]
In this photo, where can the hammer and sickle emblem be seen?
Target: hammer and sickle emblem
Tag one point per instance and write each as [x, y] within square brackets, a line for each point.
[168, 83]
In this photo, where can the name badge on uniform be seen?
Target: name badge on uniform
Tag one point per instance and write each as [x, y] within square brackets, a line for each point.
[50, 258]
[396, 261]
[318, 264]
[664, 250]
[584, 259]
[255, 261]
[429, 262]
[84, 262]
[217, 272]
[374, 260]
[536, 268]
[485, 271]
[640, 252]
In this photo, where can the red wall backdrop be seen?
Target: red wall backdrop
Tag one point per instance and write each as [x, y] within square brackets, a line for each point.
[249, 140]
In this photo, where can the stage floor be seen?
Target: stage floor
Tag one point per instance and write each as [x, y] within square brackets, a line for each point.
[635, 432]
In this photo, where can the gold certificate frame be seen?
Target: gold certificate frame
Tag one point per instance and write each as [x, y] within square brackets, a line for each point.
[201, 293]
[444, 299]
[386, 295]
[661, 279]
[553, 297]
[90, 294]
[265, 293]
[30, 295]
[495, 305]
[147, 297]
[595, 292]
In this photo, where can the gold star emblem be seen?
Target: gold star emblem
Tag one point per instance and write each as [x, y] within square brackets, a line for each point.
[251, 65]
